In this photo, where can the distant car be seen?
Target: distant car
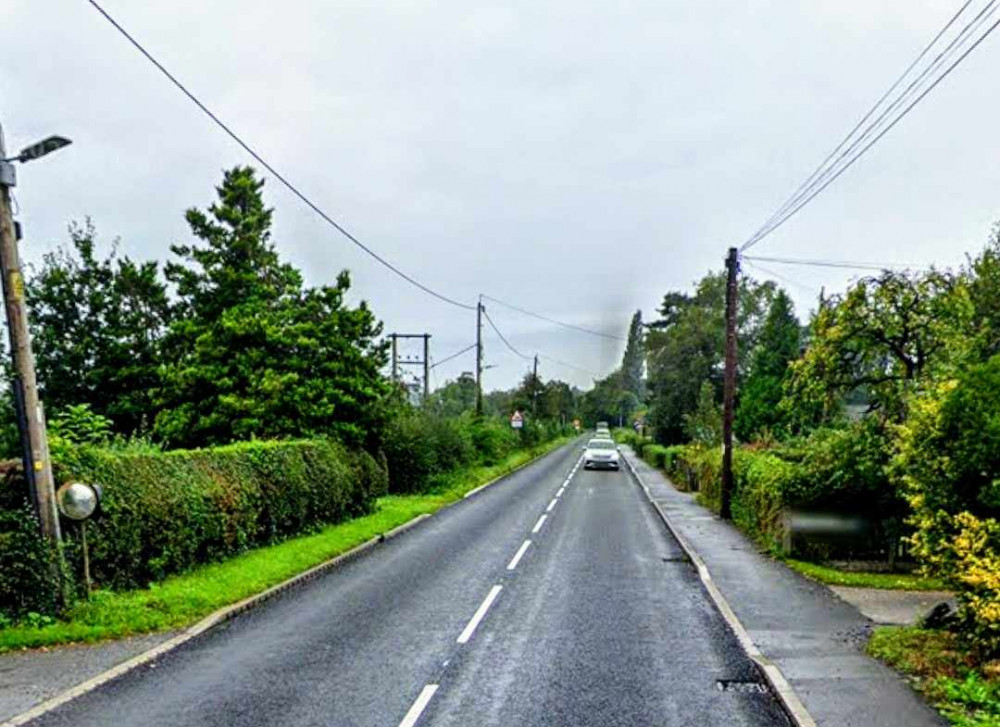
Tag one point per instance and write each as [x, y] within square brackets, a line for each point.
[602, 425]
[601, 454]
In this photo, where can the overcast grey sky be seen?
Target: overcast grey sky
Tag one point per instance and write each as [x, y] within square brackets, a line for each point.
[576, 158]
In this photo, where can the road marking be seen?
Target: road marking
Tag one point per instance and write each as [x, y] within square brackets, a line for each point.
[538, 525]
[552, 504]
[419, 706]
[518, 555]
[480, 613]
[561, 491]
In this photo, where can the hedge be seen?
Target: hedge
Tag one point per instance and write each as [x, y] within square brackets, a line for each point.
[165, 512]
[422, 449]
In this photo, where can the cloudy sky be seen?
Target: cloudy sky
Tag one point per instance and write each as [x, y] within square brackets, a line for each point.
[576, 158]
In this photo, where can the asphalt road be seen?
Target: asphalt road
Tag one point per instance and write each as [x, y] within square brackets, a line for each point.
[599, 621]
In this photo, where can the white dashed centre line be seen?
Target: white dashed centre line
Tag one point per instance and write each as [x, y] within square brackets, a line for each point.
[419, 706]
[470, 627]
[518, 555]
[538, 525]
[561, 491]
[552, 504]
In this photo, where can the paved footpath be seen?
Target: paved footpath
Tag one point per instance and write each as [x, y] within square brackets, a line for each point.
[815, 638]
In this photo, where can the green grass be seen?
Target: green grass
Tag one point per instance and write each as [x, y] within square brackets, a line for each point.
[184, 599]
[967, 694]
[885, 581]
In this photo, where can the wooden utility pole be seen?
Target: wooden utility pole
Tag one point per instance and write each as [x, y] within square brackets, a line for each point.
[427, 367]
[395, 357]
[729, 387]
[479, 357]
[37, 467]
[534, 388]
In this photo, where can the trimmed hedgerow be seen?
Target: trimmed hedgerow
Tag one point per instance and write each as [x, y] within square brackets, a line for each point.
[164, 512]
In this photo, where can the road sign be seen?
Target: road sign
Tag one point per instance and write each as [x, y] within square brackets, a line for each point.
[516, 420]
[577, 424]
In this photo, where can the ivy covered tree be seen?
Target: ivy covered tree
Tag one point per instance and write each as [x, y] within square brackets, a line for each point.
[98, 325]
[760, 395]
[250, 351]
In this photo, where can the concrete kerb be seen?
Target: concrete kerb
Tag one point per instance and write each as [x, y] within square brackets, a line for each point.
[229, 612]
[777, 682]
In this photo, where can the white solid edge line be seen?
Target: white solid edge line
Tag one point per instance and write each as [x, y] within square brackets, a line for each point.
[419, 706]
[552, 504]
[538, 525]
[470, 627]
[518, 555]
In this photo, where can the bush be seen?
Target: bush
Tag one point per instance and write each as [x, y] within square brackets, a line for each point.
[25, 585]
[949, 460]
[162, 513]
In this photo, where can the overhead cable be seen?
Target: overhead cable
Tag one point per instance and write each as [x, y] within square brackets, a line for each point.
[281, 178]
[446, 359]
[828, 172]
[554, 320]
[502, 337]
[829, 263]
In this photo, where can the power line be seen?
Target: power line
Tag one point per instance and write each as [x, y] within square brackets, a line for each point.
[828, 263]
[454, 355]
[816, 172]
[778, 276]
[502, 337]
[540, 355]
[809, 190]
[291, 187]
[569, 365]
[554, 321]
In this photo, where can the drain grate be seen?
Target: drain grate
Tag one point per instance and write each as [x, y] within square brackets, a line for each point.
[733, 685]
[675, 559]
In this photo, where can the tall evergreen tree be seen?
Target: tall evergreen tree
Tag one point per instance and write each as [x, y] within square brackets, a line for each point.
[633, 358]
[251, 352]
[777, 346]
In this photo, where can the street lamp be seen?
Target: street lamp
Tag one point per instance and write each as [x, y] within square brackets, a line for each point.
[31, 419]
[40, 149]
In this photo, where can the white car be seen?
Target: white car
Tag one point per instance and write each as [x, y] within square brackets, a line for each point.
[601, 454]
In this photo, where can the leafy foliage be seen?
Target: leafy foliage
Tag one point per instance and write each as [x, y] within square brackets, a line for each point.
[97, 326]
[685, 347]
[886, 335]
[949, 459]
[757, 413]
[162, 513]
[250, 351]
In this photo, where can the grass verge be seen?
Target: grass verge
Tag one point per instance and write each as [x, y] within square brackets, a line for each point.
[967, 694]
[884, 581]
[184, 599]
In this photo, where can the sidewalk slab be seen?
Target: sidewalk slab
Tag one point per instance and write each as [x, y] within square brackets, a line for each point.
[814, 637]
[34, 675]
[893, 608]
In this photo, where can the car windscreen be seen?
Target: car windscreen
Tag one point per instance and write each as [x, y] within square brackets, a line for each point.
[600, 444]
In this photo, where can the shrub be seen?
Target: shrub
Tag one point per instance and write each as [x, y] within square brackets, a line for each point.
[162, 513]
[25, 585]
[949, 460]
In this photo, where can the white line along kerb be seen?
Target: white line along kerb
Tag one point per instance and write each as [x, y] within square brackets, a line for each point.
[552, 504]
[419, 706]
[538, 525]
[480, 614]
[518, 555]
